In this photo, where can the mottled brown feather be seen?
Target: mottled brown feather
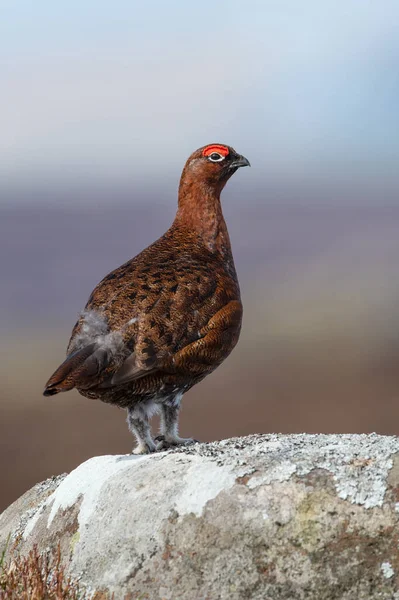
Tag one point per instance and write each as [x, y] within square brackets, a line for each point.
[176, 305]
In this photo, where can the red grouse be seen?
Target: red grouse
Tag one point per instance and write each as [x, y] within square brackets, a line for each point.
[161, 322]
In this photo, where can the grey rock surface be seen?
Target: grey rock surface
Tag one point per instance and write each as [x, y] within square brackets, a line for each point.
[265, 517]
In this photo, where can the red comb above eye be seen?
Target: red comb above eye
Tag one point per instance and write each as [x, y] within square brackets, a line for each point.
[223, 150]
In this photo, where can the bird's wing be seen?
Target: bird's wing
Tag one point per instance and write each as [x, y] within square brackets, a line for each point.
[213, 343]
[144, 317]
[216, 340]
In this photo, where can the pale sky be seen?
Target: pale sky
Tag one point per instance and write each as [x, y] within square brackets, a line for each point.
[100, 91]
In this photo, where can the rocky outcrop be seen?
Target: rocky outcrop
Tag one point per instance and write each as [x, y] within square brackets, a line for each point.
[266, 517]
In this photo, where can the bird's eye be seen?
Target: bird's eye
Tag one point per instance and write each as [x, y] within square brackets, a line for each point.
[216, 157]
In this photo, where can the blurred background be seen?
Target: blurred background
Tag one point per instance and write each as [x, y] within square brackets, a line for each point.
[101, 103]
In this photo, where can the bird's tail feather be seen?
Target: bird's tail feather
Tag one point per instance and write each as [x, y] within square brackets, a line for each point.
[80, 369]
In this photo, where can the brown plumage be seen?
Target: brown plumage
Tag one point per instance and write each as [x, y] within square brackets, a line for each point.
[161, 322]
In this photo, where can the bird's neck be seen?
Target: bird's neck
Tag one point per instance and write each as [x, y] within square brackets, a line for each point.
[200, 212]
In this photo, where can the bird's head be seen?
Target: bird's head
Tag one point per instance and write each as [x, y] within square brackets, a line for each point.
[214, 165]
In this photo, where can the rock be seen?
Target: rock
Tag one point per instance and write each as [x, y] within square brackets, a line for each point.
[265, 517]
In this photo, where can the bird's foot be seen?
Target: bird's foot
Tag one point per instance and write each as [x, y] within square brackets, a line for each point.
[147, 448]
[167, 441]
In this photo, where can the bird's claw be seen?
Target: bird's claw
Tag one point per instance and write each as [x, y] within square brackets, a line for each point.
[147, 448]
[164, 442]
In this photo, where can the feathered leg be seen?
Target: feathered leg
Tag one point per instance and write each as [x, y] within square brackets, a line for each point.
[170, 423]
[138, 423]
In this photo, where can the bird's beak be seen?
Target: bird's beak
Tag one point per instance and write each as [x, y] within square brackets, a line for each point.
[240, 161]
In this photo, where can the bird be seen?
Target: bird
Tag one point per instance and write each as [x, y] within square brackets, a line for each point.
[161, 322]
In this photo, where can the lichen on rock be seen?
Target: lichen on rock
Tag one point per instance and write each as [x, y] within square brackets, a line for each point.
[261, 517]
